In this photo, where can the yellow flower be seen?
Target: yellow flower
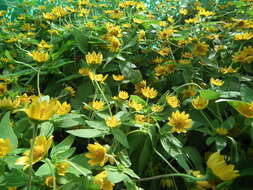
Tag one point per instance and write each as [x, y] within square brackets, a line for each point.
[114, 44]
[135, 105]
[70, 90]
[84, 71]
[139, 118]
[189, 92]
[41, 109]
[200, 49]
[62, 168]
[183, 11]
[243, 36]
[164, 51]
[12, 188]
[97, 105]
[179, 122]
[244, 56]
[199, 103]
[118, 77]
[112, 122]
[138, 87]
[222, 131]
[44, 45]
[49, 16]
[201, 185]
[39, 56]
[184, 61]
[3, 89]
[216, 82]
[41, 147]
[8, 103]
[101, 180]
[173, 101]
[49, 181]
[96, 154]
[149, 92]
[97, 77]
[166, 183]
[138, 21]
[63, 108]
[141, 35]
[123, 95]
[59, 11]
[5, 147]
[226, 70]
[157, 108]
[246, 109]
[220, 168]
[166, 33]
[94, 58]
[90, 25]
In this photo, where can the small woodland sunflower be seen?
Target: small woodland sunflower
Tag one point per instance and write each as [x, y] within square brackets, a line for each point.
[179, 122]
[96, 154]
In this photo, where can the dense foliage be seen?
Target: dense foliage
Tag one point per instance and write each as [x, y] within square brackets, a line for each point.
[99, 94]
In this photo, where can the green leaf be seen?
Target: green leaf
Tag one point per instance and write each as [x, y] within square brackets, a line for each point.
[193, 154]
[145, 155]
[87, 133]
[229, 123]
[246, 93]
[80, 184]
[114, 175]
[81, 40]
[138, 100]
[7, 131]
[100, 125]
[175, 152]
[16, 178]
[129, 73]
[43, 170]
[46, 129]
[66, 46]
[209, 94]
[121, 137]
[68, 121]
[221, 142]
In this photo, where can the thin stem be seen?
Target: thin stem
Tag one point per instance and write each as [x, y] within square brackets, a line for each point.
[52, 172]
[164, 159]
[38, 82]
[31, 157]
[74, 166]
[188, 84]
[175, 175]
[211, 125]
[99, 88]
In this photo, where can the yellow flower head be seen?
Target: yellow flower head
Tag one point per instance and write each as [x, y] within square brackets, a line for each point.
[183, 11]
[94, 58]
[246, 109]
[84, 71]
[201, 184]
[97, 105]
[166, 33]
[5, 147]
[49, 181]
[244, 56]
[135, 105]
[118, 77]
[62, 168]
[179, 122]
[243, 36]
[164, 51]
[189, 92]
[112, 122]
[39, 56]
[70, 90]
[41, 109]
[149, 92]
[216, 82]
[96, 154]
[173, 101]
[200, 49]
[114, 44]
[141, 35]
[41, 147]
[199, 103]
[101, 180]
[97, 77]
[63, 108]
[156, 108]
[138, 87]
[3, 89]
[8, 103]
[222, 131]
[59, 11]
[220, 168]
[226, 70]
[44, 45]
[123, 95]
[139, 118]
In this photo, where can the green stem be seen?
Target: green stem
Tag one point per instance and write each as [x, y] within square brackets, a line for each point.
[38, 82]
[188, 84]
[107, 102]
[52, 172]
[211, 125]
[164, 159]
[74, 166]
[175, 175]
[31, 157]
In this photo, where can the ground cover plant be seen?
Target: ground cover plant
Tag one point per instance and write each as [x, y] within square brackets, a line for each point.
[99, 94]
